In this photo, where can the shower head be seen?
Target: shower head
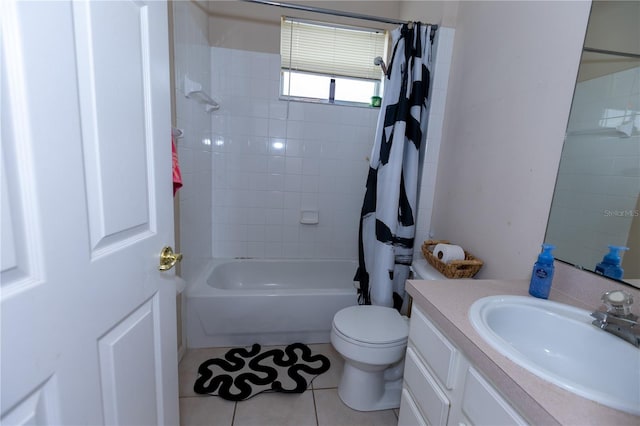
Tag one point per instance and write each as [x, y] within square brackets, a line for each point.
[378, 61]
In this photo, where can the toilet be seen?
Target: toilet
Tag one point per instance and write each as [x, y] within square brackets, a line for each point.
[373, 341]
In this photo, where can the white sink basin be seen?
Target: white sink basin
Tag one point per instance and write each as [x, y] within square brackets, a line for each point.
[557, 343]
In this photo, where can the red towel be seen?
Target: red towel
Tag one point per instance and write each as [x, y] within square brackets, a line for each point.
[177, 176]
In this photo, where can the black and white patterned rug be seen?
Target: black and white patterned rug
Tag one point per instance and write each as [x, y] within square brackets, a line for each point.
[243, 373]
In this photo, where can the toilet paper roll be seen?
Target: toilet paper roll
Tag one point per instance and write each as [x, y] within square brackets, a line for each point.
[448, 252]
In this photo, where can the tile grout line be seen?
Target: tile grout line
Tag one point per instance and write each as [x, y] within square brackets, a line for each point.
[315, 407]
[233, 416]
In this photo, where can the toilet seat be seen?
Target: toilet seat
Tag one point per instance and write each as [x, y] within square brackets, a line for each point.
[360, 344]
[374, 326]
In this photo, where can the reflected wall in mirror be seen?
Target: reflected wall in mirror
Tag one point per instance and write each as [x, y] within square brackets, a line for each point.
[596, 201]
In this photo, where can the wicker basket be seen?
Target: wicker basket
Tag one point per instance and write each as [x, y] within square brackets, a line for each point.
[466, 268]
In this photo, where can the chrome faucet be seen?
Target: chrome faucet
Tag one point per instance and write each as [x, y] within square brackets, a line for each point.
[618, 319]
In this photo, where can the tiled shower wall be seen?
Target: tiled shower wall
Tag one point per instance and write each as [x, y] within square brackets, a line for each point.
[192, 58]
[599, 178]
[273, 159]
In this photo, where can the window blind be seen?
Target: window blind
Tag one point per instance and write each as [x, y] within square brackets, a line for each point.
[321, 48]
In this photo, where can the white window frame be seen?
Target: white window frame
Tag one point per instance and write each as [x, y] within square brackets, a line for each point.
[286, 69]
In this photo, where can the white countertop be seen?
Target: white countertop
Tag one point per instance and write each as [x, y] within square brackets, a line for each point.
[542, 403]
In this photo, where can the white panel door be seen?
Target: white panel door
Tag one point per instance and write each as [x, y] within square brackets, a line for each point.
[87, 319]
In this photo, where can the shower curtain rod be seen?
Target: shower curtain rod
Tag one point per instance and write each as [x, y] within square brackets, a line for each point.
[333, 12]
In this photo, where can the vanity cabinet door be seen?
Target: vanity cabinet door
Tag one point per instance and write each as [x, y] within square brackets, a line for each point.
[434, 347]
[482, 405]
[431, 400]
[409, 413]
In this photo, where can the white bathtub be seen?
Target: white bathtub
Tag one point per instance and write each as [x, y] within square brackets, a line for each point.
[271, 302]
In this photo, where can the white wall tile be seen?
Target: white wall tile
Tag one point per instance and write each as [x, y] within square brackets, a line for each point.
[278, 110]
[276, 164]
[275, 182]
[256, 249]
[263, 187]
[293, 183]
[293, 165]
[296, 111]
[273, 250]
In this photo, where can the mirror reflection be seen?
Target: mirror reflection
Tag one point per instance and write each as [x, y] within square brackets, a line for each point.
[596, 202]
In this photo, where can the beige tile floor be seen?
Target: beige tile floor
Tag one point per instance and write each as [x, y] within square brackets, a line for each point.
[318, 406]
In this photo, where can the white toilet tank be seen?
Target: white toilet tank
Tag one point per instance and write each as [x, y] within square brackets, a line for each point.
[423, 271]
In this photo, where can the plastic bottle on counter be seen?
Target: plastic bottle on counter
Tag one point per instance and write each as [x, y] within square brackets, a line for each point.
[542, 275]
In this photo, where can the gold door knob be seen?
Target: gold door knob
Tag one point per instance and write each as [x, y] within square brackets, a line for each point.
[168, 258]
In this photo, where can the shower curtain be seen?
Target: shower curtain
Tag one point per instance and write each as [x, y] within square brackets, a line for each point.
[388, 217]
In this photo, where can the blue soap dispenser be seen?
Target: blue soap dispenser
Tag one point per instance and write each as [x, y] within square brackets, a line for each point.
[610, 265]
[542, 274]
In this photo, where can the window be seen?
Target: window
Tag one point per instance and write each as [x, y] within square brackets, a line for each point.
[328, 62]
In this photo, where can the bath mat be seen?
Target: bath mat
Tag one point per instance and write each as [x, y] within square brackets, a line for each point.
[243, 373]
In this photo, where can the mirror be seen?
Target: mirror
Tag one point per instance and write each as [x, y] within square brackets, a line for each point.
[596, 202]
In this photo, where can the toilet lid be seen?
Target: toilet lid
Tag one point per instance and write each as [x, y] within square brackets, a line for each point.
[372, 324]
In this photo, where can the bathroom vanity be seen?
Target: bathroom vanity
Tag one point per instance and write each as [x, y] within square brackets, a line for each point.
[441, 383]
[454, 377]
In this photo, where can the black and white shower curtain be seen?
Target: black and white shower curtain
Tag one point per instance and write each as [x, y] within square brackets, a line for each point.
[388, 217]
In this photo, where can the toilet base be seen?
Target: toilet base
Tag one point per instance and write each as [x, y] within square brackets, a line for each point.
[367, 390]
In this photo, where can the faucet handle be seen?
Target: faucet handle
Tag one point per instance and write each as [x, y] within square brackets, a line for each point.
[618, 302]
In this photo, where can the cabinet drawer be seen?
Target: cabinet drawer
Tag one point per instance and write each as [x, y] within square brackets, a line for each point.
[436, 350]
[483, 405]
[431, 400]
[409, 413]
